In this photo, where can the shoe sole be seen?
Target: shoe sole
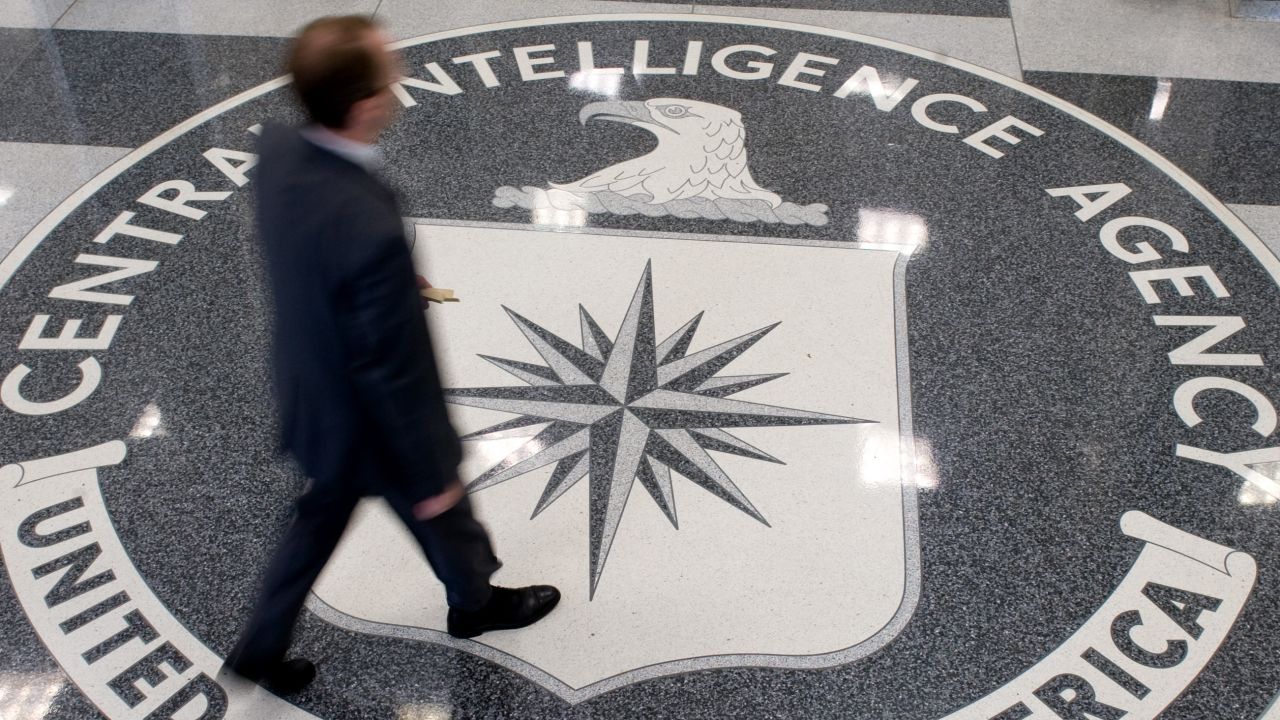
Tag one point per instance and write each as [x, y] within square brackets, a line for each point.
[509, 626]
[287, 688]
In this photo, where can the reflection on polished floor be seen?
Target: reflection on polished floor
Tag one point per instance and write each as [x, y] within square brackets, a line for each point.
[955, 320]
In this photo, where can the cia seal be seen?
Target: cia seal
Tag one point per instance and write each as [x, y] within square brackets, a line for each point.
[798, 359]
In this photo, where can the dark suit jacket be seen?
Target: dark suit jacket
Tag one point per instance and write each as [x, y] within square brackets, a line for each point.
[355, 376]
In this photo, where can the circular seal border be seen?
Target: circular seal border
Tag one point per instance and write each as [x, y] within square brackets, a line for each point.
[1269, 259]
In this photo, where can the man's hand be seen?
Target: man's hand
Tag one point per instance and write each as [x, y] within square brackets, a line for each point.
[439, 504]
[423, 285]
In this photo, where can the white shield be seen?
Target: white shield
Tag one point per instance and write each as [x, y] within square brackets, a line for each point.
[832, 576]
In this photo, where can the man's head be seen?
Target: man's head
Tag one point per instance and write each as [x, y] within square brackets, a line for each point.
[342, 73]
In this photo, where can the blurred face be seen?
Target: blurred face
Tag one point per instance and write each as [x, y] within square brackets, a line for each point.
[371, 116]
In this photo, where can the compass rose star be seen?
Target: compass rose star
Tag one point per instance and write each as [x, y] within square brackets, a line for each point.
[626, 409]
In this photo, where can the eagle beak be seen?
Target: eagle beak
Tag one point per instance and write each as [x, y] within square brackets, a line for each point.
[630, 112]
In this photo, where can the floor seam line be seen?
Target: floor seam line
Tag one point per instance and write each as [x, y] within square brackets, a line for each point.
[1017, 47]
[64, 14]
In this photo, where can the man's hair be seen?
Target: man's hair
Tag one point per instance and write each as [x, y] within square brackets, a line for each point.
[333, 67]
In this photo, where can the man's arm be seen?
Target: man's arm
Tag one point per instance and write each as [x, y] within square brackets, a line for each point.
[392, 362]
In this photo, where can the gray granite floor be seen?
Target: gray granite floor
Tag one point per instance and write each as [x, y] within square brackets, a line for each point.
[996, 440]
[1220, 132]
[97, 88]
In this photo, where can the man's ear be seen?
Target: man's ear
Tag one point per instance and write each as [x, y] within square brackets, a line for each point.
[358, 115]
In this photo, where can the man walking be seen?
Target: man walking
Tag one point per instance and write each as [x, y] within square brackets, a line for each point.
[360, 399]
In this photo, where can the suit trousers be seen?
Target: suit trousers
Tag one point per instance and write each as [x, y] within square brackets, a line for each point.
[455, 544]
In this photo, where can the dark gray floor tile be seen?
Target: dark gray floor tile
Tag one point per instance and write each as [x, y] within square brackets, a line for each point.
[15, 45]
[1224, 134]
[122, 89]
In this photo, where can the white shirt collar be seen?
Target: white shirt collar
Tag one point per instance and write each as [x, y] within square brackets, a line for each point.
[366, 156]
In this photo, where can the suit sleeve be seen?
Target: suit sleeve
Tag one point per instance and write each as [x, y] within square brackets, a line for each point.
[391, 360]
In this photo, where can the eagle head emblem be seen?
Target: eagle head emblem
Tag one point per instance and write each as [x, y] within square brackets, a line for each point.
[698, 169]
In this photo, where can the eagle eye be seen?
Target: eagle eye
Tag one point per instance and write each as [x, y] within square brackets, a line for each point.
[674, 111]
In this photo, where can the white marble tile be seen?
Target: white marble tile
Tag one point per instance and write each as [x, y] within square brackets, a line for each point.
[409, 18]
[280, 18]
[1263, 220]
[34, 178]
[32, 13]
[987, 42]
[1187, 38]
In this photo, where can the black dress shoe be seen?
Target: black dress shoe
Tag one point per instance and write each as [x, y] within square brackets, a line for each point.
[284, 678]
[507, 610]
